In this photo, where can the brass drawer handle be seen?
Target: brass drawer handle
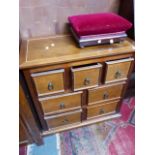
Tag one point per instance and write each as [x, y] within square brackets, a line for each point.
[62, 105]
[86, 81]
[50, 86]
[118, 74]
[65, 121]
[101, 111]
[105, 96]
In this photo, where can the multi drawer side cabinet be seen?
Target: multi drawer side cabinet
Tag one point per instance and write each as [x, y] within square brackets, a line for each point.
[72, 87]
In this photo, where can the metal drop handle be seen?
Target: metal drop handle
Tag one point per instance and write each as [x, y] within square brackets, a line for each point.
[118, 74]
[50, 86]
[62, 105]
[65, 121]
[101, 111]
[105, 96]
[86, 81]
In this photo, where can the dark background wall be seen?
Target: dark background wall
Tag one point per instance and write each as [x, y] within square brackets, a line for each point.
[126, 10]
[49, 17]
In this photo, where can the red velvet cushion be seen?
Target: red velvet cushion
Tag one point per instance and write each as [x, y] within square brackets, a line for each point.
[100, 23]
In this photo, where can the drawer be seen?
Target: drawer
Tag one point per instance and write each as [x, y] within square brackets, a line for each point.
[61, 103]
[86, 76]
[49, 82]
[64, 119]
[117, 70]
[101, 109]
[105, 93]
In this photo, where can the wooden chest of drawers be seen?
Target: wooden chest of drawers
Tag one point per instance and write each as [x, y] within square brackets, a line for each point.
[71, 87]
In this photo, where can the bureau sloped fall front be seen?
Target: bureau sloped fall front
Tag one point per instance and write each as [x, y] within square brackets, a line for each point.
[72, 87]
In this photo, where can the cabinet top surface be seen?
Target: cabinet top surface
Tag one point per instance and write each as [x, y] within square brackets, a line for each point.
[62, 49]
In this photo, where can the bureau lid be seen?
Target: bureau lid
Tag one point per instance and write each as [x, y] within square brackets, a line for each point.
[62, 49]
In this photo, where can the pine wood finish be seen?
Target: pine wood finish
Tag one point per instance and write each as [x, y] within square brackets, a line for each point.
[49, 82]
[117, 70]
[105, 93]
[101, 109]
[24, 137]
[86, 76]
[61, 103]
[36, 54]
[65, 119]
[28, 129]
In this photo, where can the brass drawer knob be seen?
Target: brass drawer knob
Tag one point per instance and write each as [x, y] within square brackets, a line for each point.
[50, 86]
[65, 121]
[118, 74]
[86, 81]
[62, 105]
[101, 111]
[105, 96]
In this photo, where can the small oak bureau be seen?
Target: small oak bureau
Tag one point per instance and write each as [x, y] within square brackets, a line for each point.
[71, 87]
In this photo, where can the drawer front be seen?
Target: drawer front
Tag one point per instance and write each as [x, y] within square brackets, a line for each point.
[64, 120]
[60, 103]
[86, 77]
[49, 82]
[105, 93]
[117, 70]
[101, 109]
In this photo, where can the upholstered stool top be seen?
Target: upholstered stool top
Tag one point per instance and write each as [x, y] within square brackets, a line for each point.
[99, 23]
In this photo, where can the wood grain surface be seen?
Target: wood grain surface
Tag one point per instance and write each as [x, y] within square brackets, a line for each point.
[39, 51]
[101, 109]
[117, 66]
[61, 103]
[105, 93]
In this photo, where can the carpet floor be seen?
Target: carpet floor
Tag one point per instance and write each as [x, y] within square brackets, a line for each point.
[115, 137]
[23, 150]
